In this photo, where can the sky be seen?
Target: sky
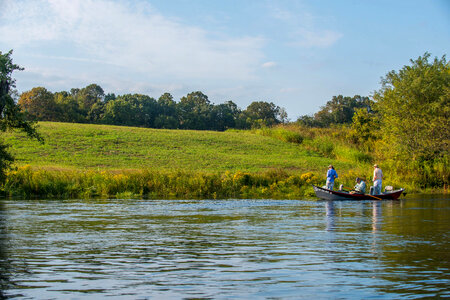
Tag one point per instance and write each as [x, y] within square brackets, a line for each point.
[297, 54]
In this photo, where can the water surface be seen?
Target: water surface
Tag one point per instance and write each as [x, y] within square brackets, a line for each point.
[221, 249]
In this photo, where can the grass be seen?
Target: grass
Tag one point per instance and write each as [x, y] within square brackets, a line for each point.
[81, 160]
[102, 147]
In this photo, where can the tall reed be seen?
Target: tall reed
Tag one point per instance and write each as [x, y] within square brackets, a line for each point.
[31, 183]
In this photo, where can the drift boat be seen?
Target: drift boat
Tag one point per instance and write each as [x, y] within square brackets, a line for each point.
[327, 194]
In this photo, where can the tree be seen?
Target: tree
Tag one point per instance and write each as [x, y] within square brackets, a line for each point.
[11, 116]
[307, 120]
[119, 112]
[131, 110]
[167, 112]
[224, 116]
[90, 100]
[260, 113]
[414, 110]
[145, 111]
[195, 111]
[109, 97]
[89, 95]
[339, 110]
[39, 104]
[364, 129]
[69, 108]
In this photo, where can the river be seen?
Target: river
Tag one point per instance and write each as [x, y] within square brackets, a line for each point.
[222, 249]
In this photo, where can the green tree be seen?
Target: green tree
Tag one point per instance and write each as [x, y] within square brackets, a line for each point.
[90, 99]
[119, 112]
[414, 108]
[131, 110]
[69, 108]
[261, 113]
[167, 112]
[11, 116]
[39, 104]
[224, 116]
[339, 110]
[364, 129]
[195, 111]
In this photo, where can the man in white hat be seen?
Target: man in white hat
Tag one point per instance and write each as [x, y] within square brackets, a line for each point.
[377, 179]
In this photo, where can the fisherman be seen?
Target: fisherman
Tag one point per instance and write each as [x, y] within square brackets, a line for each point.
[331, 176]
[377, 179]
[360, 187]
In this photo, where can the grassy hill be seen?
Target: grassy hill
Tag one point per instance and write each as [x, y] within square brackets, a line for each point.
[103, 147]
[81, 160]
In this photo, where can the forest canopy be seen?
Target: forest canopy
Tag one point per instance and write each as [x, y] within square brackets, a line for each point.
[194, 111]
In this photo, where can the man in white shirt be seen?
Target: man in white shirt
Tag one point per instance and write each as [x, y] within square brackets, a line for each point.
[377, 179]
[360, 187]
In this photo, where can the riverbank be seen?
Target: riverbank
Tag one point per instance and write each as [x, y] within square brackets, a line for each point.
[85, 161]
[153, 184]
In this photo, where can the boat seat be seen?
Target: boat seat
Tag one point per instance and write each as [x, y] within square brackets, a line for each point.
[388, 188]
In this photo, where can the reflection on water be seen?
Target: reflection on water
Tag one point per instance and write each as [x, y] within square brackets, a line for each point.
[4, 261]
[225, 249]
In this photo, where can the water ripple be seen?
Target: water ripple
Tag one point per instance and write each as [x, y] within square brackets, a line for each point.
[224, 249]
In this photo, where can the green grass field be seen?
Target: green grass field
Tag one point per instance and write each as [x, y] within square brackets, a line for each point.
[81, 160]
[102, 147]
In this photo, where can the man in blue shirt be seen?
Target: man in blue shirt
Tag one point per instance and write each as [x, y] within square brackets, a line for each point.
[331, 176]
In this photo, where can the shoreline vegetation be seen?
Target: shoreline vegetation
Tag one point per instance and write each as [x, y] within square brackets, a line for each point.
[89, 161]
[196, 149]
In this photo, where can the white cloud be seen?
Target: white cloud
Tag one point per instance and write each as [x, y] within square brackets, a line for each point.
[129, 35]
[269, 64]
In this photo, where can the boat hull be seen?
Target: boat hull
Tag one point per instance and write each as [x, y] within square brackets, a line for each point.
[326, 194]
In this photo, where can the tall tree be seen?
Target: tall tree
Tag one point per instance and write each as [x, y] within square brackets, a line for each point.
[224, 116]
[11, 116]
[414, 105]
[69, 108]
[260, 113]
[40, 104]
[91, 99]
[195, 111]
[167, 112]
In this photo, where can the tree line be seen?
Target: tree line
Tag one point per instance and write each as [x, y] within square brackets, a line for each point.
[194, 111]
[337, 111]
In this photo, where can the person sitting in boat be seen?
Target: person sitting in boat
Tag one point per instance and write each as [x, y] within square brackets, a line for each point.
[331, 176]
[360, 187]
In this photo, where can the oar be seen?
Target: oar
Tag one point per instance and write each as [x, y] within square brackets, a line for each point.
[371, 196]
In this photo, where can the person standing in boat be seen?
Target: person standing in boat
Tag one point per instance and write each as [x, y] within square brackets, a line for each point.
[331, 176]
[377, 179]
[360, 187]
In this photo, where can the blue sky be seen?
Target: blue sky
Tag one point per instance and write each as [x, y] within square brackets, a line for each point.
[297, 54]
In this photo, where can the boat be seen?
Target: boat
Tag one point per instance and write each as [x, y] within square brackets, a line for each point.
[327, 194]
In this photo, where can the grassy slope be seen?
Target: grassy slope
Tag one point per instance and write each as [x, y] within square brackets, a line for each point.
[101, 147]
